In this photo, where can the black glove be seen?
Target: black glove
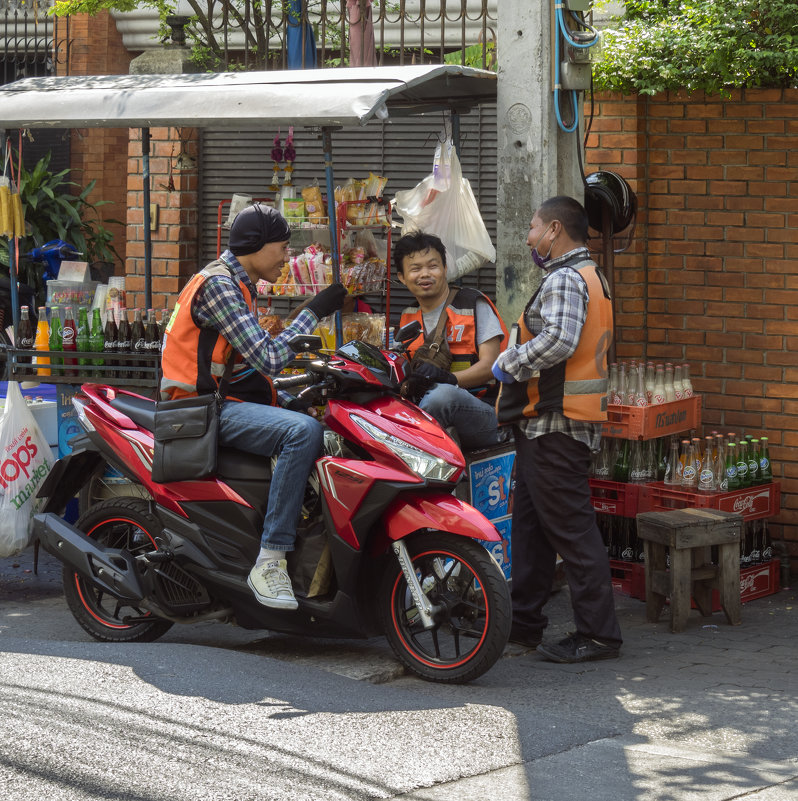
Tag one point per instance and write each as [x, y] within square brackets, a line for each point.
[328, 300]
[298, 405]
[415, 387]
[433, 374]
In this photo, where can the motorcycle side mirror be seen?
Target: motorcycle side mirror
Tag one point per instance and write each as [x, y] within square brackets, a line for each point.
[407, 333]
[305, 344]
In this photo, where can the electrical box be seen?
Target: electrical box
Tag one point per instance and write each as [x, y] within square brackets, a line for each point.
[579, 5]
[575, 76]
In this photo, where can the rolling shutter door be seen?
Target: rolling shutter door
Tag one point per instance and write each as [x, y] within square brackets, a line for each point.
[401, 149]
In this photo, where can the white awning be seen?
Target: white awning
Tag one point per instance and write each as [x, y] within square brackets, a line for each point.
[329, 97]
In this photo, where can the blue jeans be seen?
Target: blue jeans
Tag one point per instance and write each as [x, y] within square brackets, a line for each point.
[473, 419]
[296, 438]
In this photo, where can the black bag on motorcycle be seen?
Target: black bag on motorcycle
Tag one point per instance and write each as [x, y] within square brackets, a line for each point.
[186, 433]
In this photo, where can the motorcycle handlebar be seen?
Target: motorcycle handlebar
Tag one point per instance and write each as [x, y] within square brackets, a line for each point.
[288, 381]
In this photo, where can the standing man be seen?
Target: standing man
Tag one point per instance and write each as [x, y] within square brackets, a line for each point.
[554, 384]
[471, 331]
[215, 317]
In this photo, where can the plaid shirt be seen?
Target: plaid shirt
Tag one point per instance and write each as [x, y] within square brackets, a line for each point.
[555, 319]
[220, 305]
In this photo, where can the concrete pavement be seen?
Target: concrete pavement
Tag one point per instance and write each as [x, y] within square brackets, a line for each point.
[710, 713]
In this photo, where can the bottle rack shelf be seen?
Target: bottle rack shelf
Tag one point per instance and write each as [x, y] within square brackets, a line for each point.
[127, 369]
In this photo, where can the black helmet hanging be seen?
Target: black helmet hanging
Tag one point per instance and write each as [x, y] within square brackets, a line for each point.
[610, 190]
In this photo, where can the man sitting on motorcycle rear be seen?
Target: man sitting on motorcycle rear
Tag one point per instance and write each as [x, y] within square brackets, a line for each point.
[474, 335]
[214, 317]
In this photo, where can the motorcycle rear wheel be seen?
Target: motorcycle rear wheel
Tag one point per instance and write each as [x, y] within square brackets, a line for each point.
[473, 609]
[115, 523]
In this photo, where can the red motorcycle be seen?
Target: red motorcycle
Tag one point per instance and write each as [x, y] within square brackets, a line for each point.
[383, 546]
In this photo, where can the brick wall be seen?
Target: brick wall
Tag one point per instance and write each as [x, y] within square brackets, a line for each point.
[100, 153]
[174, 193]
[712, 277]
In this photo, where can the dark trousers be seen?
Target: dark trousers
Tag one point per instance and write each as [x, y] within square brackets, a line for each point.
[552, 514]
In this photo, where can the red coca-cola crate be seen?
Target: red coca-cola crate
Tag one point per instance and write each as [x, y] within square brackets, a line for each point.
[650, 422]
[628, 578]
[614, 497]
[762, 500]
[756, 581]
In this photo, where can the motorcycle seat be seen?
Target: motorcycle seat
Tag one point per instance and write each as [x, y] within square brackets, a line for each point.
[140, 410]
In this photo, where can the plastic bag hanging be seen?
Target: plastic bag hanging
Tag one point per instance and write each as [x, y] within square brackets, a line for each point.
[25, 461]
[444, 204]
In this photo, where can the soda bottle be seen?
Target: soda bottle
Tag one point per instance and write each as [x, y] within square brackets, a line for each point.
[742, 463]
[620, 387]
[82, 338]
[765, 469]
[152, 339]
[109, 344]
[687, 384]
[164, 322]
[640, 397]
[753, 462]
[25, 338]
[612, 384]
[97, 339]
[137, 342]
[673, 467]
[650, 380]
[68, 335]
[690, 471]
[620, 470]
[767, 545]
[658, 394]
[602, 466]
[123, 344]
[56, 343]
[677, 382]
[637, 464]
[732, 479]
[42, 342]
[670, 392]
[706, 475]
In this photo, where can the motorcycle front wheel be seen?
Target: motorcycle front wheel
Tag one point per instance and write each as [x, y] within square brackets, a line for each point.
[115, 523]
[471, 609]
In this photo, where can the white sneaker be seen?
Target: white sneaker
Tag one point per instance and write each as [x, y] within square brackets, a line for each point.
[270, 583]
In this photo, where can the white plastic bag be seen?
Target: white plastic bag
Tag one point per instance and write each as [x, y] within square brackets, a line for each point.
[25, 460]
[444, 204]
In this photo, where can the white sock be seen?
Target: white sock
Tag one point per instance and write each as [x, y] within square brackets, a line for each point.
[269, 555]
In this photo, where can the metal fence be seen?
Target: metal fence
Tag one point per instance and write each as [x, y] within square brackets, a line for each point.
[279, 34]
[32, 43]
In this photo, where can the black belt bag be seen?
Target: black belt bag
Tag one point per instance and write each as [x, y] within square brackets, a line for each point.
[186, 434]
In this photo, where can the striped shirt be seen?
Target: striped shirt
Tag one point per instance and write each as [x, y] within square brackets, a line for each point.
[555, 319]
[220, 305]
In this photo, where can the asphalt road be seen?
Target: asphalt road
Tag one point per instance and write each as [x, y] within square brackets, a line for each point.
[211, 712]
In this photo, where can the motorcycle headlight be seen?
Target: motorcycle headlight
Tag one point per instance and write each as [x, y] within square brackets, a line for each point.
[420, 462]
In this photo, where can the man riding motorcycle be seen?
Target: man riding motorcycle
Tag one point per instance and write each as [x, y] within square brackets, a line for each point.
[215, 320]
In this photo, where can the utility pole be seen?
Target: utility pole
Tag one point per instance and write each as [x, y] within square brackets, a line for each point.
[535, 159]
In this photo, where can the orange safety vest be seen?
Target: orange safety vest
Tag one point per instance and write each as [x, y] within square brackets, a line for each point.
[193, 359]
[577, 387]
[461, 328]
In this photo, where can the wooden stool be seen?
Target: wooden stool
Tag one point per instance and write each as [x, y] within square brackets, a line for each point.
[689, 535]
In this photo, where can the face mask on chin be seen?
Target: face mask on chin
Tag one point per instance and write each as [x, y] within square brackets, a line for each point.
[542, 261]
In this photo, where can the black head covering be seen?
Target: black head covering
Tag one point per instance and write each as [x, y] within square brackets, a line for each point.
[256, 226]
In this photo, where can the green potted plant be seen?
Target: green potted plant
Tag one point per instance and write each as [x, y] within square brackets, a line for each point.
[53, 209]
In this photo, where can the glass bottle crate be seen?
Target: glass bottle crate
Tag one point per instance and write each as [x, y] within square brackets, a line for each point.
[650, 422]
[753, 503]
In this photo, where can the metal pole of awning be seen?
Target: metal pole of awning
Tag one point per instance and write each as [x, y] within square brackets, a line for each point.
[145, 170]
[326, 139]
